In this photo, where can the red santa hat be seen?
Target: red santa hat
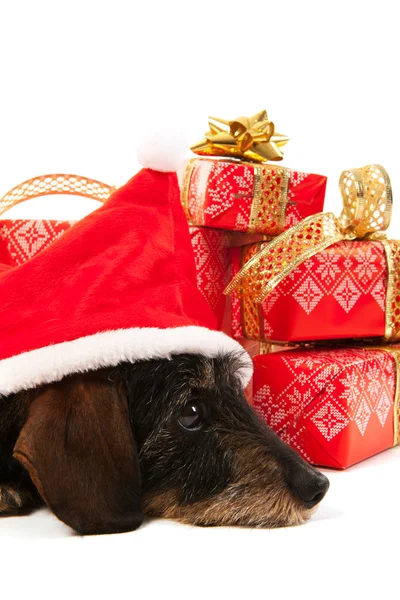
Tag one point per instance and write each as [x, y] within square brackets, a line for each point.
[120, 285]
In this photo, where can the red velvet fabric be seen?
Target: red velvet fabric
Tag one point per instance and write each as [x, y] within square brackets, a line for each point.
[127, 264]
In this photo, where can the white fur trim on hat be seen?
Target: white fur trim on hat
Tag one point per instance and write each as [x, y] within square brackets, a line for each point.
[109, 348]
[163, 151]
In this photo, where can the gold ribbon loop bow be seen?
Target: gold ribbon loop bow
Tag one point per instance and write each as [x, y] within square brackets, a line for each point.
[367, 201]
[367, 206]
[252, 138]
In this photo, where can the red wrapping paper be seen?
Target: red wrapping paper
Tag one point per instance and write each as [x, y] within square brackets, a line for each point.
[254, 349]
[337, 294]
[221, 193]
[22, 239]
[211, 255]
[335, 407]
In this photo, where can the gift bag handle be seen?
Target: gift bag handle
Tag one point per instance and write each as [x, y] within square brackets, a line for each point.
[58, 183]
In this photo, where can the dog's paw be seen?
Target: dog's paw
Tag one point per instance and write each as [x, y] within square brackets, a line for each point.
[14, 499]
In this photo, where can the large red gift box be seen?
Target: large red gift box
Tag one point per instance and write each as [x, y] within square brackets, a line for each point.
[248, 197]
[335, 407]
[22, 239]
[339, 293]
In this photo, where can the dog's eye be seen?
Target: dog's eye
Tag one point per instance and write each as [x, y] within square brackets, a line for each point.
[193, 415]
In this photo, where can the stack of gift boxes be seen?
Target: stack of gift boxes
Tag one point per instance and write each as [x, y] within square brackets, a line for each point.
[234, 205]
[314, 298]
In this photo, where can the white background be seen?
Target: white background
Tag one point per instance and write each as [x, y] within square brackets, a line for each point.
[80, 82]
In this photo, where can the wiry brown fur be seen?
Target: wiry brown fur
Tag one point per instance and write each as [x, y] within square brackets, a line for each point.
[236, 505]
[257, 497]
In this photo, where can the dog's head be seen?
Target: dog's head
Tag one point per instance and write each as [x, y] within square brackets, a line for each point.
[170, 438]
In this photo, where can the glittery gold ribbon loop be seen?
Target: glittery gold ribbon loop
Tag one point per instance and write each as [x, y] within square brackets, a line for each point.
[278, 258]
[56, 183]
[367, 200]
[367, 205]
[252, 138]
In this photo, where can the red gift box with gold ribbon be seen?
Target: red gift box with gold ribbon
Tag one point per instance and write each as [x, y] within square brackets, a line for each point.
[336, 407]
[326, 278]
[339, 293]
[236, 190]
[251, 198]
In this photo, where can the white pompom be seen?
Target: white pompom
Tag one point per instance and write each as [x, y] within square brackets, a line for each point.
[163, 151]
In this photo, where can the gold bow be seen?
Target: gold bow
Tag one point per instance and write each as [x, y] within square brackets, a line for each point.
[367, 208]
[252, 138]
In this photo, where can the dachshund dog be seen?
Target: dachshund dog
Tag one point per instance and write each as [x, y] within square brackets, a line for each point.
[166, 438]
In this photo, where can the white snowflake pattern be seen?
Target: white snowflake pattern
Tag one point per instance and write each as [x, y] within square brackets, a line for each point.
[211, 258]
[351, 382]
[373, 376]
[329, 420]
[383, 406]
[308, 295]
[366, 268]
[348, 264]
[378, 292]
[363, 415]
[328, 268]
[347, 294]
[26, 238]
[349, 387]
[263, 397]
[297, 401]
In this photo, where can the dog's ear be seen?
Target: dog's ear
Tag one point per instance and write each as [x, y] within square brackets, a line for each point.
[78, 447]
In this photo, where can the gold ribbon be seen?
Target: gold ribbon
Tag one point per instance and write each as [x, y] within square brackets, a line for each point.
[366, 214]
[53, 184]
[252, 138]
[395, 353]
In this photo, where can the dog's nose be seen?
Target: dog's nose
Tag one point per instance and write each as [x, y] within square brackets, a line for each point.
[309, 485]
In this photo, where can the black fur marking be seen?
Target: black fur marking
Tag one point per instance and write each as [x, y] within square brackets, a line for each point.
[193, 462]
[13, 414]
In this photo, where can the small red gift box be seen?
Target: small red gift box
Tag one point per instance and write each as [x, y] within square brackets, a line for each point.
[248, 197]
[335, 407]
[338, 293]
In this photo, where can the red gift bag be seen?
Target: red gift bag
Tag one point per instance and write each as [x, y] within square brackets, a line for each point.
[21, 239]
